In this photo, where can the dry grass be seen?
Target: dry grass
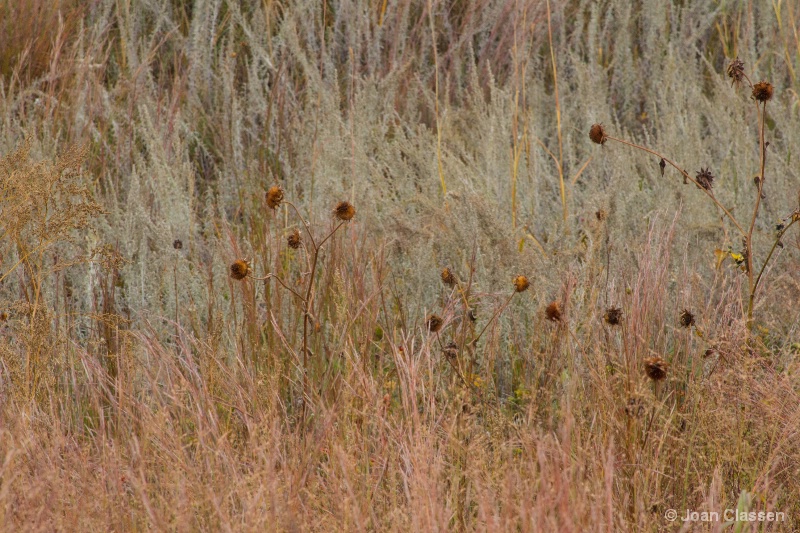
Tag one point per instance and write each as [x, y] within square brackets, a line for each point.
[143, 387]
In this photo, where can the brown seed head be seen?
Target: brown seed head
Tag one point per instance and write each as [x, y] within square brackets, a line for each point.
[598, 134]
[434, 323]
[240, 269]
[686, 319]
[450, 351]
[294, 240]
[344, 211]
[553, 312]
[3, 316]
[177, 244]
[704, 178]
[736, 71]
[655, 368]
[613, 316]
[274, 197]
[521, 284]
[448, 278]
[601, 214]
[762, 91]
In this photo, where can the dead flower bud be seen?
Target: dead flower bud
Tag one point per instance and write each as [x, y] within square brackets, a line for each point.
[274, 197]
[598, 134]
[448, 278]
[553, 312]
[662, 165]
[655, 368]
[613, 316]
[704, 179]
[177, 244]
[434, 323]
[294, 240]
[601, 214]
[521, 284]
[240, 269]
[450, 351]
[762, 91]
[3, 316]
[344, 211]
[736, 71]
[686, 319]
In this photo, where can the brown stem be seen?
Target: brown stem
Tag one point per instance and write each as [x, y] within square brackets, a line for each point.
[496, 314]
[769, 256]
[749, 242]
[685, 175]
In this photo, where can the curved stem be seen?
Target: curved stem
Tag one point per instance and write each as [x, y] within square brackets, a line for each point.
[685, 175]
[769, 256]
[496, 314]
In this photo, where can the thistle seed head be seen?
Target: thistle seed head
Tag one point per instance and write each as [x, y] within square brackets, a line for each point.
[762, 91]
[274, 197]
[655, 368]
[686, 319]
[240, 269]
[598, 134]
[344, 211]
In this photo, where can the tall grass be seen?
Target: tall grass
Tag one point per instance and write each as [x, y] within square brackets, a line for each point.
[144, 387]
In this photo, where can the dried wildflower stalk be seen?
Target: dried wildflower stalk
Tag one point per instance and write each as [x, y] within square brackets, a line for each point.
[762, 92]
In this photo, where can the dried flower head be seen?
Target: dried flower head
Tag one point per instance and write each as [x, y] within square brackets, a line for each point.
[598, 134]
[655, 368]
[274, 197]
[704, 179]
[177, 244]
[686, 319]
[3, 316]
[450, 351]
[448, 278]
[344, 211]
[521, 284]
[553, 312]
[762, 91]
[294, 240]
[434, 323]
[240, 269]
[613, 316]
[736, 71]
[601, 214]
[472, 315]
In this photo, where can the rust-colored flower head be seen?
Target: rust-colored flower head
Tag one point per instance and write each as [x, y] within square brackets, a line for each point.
[448, 278]
[177, 244]
[736, 71]
[521, 284]
[762, 91]
[344, 211]
[553, 312]
[598, 134]
[655, 368]
[240, 269]
[613, 316]
[274, 197]
[704, 179]
[686, 319]
[434, 323]
[294, 240]
[3, 316]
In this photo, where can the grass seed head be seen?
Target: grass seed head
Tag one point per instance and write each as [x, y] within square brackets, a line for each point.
[274, 197]
[448, 278]
[655, 368]
[762, 91]
[344, 211]
[613, 316]
[598, 134]
[553, 312]
[240, 269]
[736, 71]
[686, 319]
[434, 323]
[521, 284]
[294, 240]
[704, 178]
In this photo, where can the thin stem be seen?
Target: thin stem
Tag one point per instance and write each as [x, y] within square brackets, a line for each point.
[285, 286]
[749, 242]
[305, 224]
[685, 175]
[769, 256]
[496, 314]
[558, 117]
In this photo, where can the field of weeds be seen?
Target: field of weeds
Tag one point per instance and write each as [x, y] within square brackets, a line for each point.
[399, 265]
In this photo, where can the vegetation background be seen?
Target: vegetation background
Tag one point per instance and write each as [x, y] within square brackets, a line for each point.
[143, 388]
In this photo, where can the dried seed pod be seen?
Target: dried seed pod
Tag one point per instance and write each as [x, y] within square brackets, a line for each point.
[274, 197]
[294, 240]
[598, 134]
[613, 316]
[686, 319]
[521, 284]
[450, 351]
[655, 368]
[177, 244]
[240, 269]
[736, 71]
[434, 323]
[704, 179]
[601, 214]
[553, 312]
[344, 211]
[762, 91]
[448, 278]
